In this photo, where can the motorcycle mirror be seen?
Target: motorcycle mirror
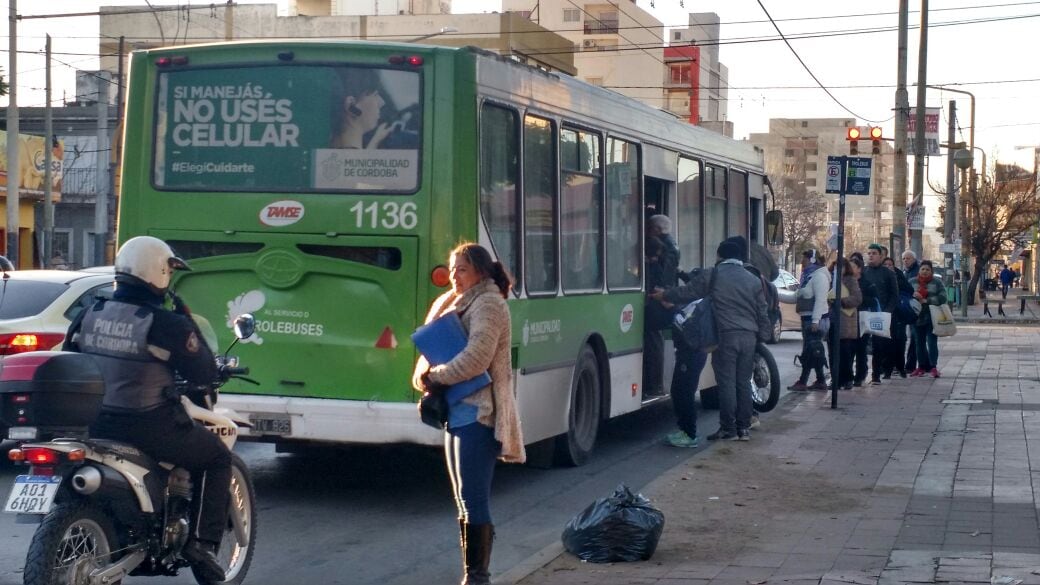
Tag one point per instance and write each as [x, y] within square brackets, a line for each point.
[245, 326]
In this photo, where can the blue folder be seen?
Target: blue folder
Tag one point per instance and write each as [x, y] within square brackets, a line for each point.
[440, 341]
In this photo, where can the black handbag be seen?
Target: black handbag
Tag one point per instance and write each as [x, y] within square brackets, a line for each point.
[433, 405]
[698, 328]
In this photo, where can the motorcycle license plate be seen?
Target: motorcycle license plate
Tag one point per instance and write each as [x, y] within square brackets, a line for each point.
[270, 424]
[32, 494]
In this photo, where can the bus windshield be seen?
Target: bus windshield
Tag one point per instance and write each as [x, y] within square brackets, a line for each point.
[288, 128]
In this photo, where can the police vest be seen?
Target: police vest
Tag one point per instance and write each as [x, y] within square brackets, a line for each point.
[117, 336]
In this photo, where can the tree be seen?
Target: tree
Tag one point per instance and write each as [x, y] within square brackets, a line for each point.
[805, 219]
[3, 84]
[1000, 215]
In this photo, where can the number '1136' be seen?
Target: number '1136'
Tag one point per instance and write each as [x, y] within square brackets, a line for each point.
[388, 215]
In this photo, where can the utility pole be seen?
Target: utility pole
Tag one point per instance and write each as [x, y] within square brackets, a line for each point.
[902, 113]
[13, 164]
[48, 149]
[919, 146]
[229, 20]
[951, 193]
[101, 186]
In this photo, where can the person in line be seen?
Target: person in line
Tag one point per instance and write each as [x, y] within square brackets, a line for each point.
[848, 316]
[929, 291]
[867, 291]
[910, 268]
[887, 291]
[140, 405]
[484, 425]
[740, 314]
[811, 305]
[897, 356]
[662, 268]
[1007, 277]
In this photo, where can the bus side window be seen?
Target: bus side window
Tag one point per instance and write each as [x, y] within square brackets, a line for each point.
[714, 210]
[499, 172]
[540, 205]
[580, 210]
[688, 231]
[624, 260]
[738, 204]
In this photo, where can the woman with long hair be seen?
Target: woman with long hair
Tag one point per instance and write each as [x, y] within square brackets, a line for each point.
[484, 425]
[848, 317]
[929, 291]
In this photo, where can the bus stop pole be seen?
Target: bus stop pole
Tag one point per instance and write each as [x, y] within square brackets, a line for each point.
[838, 269]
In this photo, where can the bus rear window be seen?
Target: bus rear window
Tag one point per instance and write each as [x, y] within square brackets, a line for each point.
[288, 128]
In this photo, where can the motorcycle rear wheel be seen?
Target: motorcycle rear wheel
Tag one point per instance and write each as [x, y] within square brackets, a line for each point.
[74, 539]
[235, 556]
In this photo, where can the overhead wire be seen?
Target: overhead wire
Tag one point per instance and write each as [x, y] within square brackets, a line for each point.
[809, 71]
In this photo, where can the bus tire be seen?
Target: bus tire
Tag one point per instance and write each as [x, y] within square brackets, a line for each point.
[765, 380]
[574, 447]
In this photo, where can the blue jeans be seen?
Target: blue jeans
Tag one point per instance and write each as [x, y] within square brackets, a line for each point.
[470, 452]
[927, 347]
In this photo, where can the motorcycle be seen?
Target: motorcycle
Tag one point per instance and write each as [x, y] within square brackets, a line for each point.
[105, 509]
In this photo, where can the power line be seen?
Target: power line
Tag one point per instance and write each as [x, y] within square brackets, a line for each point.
[808, 70]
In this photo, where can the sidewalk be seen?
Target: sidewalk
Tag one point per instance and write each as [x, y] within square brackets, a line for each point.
[915, 481]
[1010, 306]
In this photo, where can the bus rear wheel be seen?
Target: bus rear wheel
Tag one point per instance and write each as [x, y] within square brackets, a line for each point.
[575, 446]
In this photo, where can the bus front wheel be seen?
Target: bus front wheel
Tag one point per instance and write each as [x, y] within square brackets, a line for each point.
[575, 446]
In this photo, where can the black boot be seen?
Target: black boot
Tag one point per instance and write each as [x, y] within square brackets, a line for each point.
[477, 550]
[203, 557]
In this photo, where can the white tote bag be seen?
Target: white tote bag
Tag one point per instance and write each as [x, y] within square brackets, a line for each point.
[943, 324]
[877, 322]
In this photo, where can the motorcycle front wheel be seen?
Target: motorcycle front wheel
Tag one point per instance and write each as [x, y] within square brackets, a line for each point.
[74, 539]
[239, 541]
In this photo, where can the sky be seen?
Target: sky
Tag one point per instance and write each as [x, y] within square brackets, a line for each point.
[985, 47]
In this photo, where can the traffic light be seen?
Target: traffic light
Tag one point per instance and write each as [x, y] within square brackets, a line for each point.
[853, 138]
[875, 140]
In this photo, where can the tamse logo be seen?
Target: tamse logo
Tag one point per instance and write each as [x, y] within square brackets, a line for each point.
[281, 213]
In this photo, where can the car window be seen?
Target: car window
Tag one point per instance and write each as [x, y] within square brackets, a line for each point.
[87, 299]
[25, 298]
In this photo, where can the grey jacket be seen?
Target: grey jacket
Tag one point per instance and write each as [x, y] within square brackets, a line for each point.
[738, 299]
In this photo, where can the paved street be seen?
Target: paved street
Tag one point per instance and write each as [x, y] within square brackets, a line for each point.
[384, 515]
[915, 481]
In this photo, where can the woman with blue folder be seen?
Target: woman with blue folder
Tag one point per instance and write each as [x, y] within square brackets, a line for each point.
[483, 425]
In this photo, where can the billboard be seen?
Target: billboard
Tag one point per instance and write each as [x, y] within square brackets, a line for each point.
[293, 128]
[31, 158]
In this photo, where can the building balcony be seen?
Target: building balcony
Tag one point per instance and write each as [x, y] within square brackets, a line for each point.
[601, 27]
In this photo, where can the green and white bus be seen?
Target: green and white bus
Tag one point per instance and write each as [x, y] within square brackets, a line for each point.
[321, 185]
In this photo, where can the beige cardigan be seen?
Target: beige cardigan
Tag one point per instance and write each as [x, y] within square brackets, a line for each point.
[485, 317]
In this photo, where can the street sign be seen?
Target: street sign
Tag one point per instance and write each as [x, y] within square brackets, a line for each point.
[833, 174]
[951, 248]
[858, 180]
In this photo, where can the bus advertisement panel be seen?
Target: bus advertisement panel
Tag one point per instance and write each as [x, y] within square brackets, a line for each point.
[304, 128]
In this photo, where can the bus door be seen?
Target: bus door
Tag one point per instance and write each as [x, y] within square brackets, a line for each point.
[330, 311]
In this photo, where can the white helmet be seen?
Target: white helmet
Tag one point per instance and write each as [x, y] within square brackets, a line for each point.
[148, 260]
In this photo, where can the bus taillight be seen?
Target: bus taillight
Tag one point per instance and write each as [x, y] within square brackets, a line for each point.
[440, 276]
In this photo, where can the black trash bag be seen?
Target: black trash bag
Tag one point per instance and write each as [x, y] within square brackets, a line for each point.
[623, 527]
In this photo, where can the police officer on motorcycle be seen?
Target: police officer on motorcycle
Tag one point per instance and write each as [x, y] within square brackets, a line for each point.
[138, 345]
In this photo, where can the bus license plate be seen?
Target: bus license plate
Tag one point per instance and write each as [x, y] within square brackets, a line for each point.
[32, 494]
[270, 424]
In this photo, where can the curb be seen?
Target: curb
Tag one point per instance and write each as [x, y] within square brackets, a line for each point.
[526, 567]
